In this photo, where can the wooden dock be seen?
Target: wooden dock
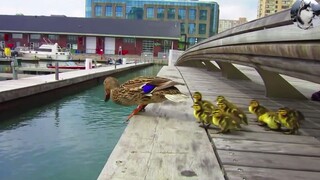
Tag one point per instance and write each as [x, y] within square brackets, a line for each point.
[166, 143]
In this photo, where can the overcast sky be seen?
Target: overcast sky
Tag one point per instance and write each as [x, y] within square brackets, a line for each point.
[229, 9]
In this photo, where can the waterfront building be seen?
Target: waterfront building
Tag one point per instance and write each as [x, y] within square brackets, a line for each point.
[225, 24]
[267, 7]
[90, 35]
[198, 19]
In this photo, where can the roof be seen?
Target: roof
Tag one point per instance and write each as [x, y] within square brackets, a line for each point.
[90, 26]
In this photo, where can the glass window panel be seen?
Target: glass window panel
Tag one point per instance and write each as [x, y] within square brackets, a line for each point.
[16, 36]
[119, 10]
[53, 37]
[150, 12]
[182, 14]
[192, 28]
[109, 11]
[160, 13]
[192, 14]
[35, 36]
[183, 27]
[171, 13]
[98, 11]
[202, 28]
[203, 15]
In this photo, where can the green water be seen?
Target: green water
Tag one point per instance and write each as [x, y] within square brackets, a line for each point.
[67, 139]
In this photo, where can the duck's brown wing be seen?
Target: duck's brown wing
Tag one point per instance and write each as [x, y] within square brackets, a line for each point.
[163, 83]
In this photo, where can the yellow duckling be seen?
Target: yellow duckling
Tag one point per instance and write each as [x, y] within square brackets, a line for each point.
[271, 120]
[256, 108]
[224, 121]
[290, 118]
[202, 115]
[197, 97]
[142, 91]
[233, 110]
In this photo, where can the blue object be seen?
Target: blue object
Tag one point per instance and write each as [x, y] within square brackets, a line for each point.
[147, 88]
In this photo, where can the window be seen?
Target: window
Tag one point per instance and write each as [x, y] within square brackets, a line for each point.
[109, 11]
[192, 40]
[181, 14]
[129, 40]
[192, 28]
[202, 28]
[98, 11]
[53, 37]
[160, 13]
[192, 14]
[150, 13]
[171, 13]
[16, 36]
[72, 38]
[203, 14]
[147, 46]
[35, 36]
[119, 11]
[183, 27]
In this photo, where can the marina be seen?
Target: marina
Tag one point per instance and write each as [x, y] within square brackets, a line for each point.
[61, 137]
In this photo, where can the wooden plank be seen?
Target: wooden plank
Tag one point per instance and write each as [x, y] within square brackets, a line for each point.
[163, 143]
[267, 147]
[248, 173]
[257, 136]
[274, 161]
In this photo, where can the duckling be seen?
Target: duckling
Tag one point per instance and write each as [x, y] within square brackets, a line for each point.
[224, 121]
[142, 91]
[257, 109]
[290, 118]
[270, 118]
[233, 110]
[197, 97]
[201, 114]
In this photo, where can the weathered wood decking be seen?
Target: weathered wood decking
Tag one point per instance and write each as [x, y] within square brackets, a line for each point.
[167, 143]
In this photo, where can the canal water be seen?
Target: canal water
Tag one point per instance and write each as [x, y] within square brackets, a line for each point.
[70, 139]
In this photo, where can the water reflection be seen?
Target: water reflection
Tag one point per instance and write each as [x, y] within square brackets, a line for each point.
[68, 139]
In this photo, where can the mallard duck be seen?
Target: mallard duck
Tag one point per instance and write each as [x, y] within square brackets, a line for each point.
[232, 109]
[256, 108]
[207, 105]
[224, 121]
[202, 115]
[270, 118]
[142, 91]
[290, 119]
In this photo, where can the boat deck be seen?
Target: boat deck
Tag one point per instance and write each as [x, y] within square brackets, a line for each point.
[166, 143]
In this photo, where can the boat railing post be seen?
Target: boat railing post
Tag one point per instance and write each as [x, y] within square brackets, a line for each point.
[13, 66]
[57, 71]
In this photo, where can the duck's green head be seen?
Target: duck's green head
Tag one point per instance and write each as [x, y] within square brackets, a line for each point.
[109, 83]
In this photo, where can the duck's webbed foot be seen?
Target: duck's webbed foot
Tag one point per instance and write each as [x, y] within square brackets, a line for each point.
[140, 108]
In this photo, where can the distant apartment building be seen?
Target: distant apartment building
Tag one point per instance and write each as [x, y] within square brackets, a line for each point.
[267, 7]
[198, 19]
[225, 24]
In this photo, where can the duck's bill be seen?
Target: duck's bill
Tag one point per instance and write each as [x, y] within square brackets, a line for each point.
[107, 97]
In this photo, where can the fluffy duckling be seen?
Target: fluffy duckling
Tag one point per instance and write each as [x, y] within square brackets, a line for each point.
[201, 114]
[290, 119]
[228, 107]
[270, 118]
[142, 91]
[256, 108]
[224, 121]
[197, 97]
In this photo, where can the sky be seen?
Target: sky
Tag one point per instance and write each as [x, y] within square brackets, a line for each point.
[229, 9]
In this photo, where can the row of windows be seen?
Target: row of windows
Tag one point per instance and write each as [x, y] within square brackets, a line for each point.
[38, 36]
[151, 14]
[192, 28]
